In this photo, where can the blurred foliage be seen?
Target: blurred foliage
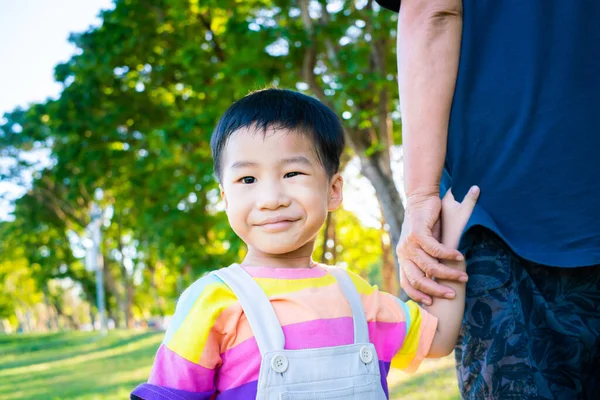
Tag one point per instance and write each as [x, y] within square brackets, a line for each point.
[131, 131]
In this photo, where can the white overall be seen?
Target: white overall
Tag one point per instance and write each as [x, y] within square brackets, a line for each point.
[341, 372]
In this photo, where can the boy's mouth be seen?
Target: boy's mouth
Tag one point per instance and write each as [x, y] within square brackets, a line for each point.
[277, 224]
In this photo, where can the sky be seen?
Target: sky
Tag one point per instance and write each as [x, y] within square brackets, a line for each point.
[33, 39]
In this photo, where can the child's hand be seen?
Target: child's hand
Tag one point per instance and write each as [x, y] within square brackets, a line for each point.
[455, 215]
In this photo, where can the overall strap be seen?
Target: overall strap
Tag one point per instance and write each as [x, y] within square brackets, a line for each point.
[361, 329]
[257, 307]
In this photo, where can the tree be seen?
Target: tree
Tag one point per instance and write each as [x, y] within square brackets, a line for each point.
[345, 55]
[140, 101]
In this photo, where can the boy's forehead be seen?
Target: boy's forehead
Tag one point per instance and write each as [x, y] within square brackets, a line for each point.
[267, 144]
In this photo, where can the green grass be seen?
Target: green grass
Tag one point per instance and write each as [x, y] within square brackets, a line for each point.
[87, 366]
[78, 365]
[435, 380]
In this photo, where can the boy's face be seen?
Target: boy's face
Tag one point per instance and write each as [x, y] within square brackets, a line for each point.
[276, 192]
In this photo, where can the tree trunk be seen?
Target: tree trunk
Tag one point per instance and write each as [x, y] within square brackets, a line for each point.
[392, 209]
[389, 272]
[159, 306]
[389, 198]
[48, 311]
[114, 289]
[129, 304]
[332, 245]
[329, 234]
[127, 282]
[93, 316]
[375, 164]
[69, 321]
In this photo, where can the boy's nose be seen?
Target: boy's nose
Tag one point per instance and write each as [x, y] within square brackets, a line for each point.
[272, 197]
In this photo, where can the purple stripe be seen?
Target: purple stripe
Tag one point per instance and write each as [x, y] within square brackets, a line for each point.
[246, 391]
[384, 368]
[172, 370]
[147, 391]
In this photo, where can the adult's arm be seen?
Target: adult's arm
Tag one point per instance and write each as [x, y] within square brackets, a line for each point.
[429, 36]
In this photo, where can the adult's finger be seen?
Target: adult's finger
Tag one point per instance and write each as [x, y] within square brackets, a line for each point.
[431, 267]
[437, 250]
[429, 287]
[406, 285]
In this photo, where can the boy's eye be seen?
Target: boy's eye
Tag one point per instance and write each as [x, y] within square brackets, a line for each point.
[292, 174]
[248, 180]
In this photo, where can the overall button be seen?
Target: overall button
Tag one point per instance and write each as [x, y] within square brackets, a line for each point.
[366, 355]
[279, 363]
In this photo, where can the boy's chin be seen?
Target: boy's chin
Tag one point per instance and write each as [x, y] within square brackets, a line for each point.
[279, 249]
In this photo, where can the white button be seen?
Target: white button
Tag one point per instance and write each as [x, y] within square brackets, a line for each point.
[366, 355]
[279, 363]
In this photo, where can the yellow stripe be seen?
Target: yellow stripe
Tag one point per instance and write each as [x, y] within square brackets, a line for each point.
[411, 342]
[363, 287]
[427, 333]
[189, 340]
[275, 287]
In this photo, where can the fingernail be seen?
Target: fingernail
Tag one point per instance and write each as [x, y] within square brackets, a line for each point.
[463, 279]
[449, 295]
[460, 257]
[426, 302]
[475, 190]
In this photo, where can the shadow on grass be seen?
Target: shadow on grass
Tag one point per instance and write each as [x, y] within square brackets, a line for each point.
[31, 343]
[113, 375]
[94, 372]
[127, 364]
[107, 391]
[55, 345]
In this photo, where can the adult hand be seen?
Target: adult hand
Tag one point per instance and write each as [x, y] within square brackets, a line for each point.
[419, 250]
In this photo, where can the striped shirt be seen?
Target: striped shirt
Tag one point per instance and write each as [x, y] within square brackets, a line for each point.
[209, 350]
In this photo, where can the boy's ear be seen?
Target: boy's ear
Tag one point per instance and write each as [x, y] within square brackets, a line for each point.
[335, 192]
[223, 196]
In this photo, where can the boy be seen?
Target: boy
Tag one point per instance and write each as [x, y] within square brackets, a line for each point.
[280, 325]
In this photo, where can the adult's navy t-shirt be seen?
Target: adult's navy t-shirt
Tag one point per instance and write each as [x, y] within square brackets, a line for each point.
[525, 125]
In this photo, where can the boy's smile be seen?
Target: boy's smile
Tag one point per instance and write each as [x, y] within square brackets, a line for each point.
[277, 224]
[276, 192]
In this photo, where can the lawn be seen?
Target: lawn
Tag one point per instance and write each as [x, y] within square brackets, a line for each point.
[87, 366]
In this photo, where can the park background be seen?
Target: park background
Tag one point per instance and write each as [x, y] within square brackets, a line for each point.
[106, 188]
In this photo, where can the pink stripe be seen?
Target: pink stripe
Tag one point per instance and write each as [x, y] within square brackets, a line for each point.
[388, 338]
[174, 371]
[241, 364]
[286, 273]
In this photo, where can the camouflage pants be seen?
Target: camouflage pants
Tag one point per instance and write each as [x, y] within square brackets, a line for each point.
[530, 331]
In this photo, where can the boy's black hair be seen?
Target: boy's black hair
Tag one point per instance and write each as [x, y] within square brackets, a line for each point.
[283, 109]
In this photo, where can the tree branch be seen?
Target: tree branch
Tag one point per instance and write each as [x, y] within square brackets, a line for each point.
[378, 70]
[218, 50]
[60, 208]
[332, 48]
[310, 56]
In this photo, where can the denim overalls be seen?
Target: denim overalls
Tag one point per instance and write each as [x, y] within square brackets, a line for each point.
[341, 372]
